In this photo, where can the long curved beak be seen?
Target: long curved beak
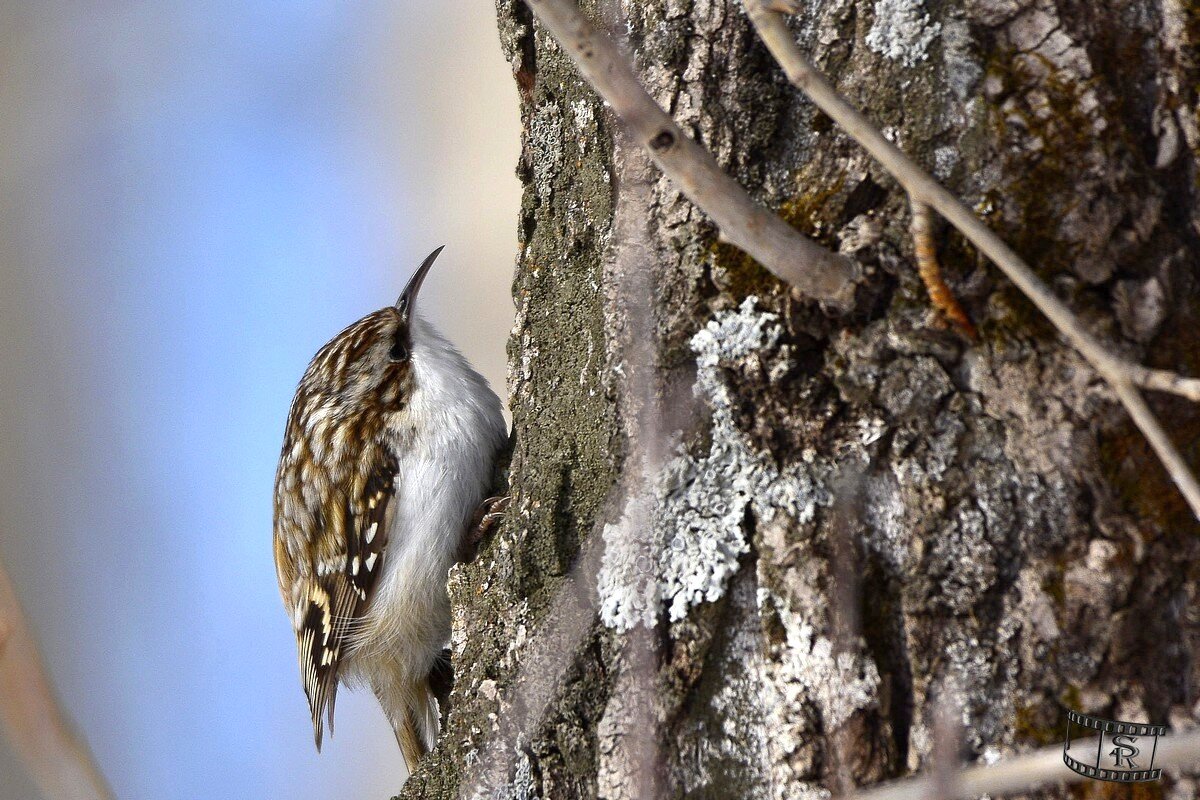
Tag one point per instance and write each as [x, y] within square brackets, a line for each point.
[408, 297]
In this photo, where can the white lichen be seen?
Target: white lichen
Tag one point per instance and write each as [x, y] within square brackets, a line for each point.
[678, 544]
[546, 136]
[945, 159]
[628, 583]
[962, 70]
[523, 787]
[836, 684]
[806, 685]
[902, 31]
[584, 114]
[888, 534]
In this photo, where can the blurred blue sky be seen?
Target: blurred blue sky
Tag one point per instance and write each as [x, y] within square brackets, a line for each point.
[193, 198]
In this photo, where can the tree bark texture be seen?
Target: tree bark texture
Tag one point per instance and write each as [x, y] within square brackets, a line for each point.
[838, 525]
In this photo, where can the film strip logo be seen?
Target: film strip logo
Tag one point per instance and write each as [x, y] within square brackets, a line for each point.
[1125, 753]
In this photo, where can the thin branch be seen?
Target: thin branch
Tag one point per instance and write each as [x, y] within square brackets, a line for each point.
[940, 294]
[1160, 442]
[944, 772]
[811, 268]
[1024, 773]
[1121, 374]
[57, 758]
[1161, 380]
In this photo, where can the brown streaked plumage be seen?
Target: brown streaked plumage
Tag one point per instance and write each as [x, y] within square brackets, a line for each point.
[333, 489]
[387, 451]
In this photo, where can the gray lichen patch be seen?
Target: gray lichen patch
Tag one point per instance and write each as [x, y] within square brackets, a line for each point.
[725, 742]
[806, 667]
[902, 31]
[697, 514]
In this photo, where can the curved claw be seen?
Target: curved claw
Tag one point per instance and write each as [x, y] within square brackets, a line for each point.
[489, 512]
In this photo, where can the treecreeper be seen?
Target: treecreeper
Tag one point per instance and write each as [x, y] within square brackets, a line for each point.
[387, 458]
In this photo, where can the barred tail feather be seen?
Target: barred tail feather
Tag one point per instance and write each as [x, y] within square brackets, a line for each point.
[432, 722]
[417, 726]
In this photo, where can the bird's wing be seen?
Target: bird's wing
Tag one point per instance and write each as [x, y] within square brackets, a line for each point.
[338, 583]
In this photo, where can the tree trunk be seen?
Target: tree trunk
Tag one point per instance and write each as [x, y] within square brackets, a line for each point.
[813, 532]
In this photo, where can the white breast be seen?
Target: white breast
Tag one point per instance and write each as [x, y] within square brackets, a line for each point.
[454, 429]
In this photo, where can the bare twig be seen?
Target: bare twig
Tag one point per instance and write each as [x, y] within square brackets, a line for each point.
[947, 741]
[1024, 773]
[1121, 374]
[811, 268]
[57, 758]
[940, 294]
[1161, 380]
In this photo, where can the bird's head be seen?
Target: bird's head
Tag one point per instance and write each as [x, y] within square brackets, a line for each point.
[369, 363]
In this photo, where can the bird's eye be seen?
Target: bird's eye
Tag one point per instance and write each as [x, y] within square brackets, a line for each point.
[398, 352]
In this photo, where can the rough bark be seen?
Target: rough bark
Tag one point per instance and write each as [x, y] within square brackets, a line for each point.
[860, 517]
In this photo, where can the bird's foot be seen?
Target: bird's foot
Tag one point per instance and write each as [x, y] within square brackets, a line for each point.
[490, 512]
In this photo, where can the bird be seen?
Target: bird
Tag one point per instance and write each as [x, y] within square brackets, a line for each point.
[387, 458]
